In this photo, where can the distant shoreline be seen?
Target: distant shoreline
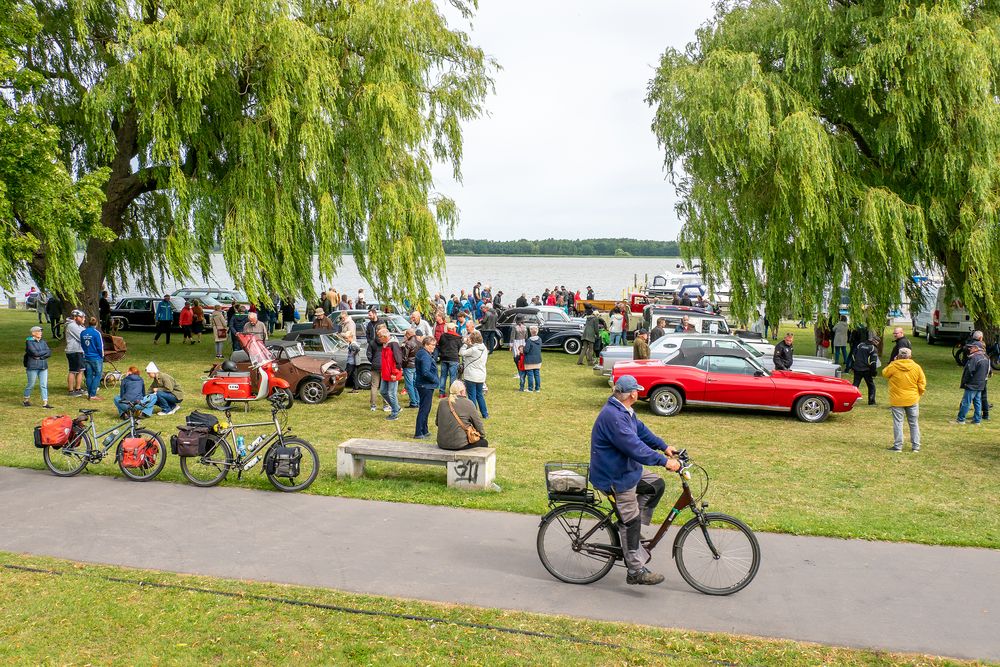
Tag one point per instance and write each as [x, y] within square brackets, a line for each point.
[482, 254]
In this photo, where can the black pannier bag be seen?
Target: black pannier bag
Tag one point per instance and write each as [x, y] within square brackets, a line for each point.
[283, 461]
[201, 419]
[189, 441]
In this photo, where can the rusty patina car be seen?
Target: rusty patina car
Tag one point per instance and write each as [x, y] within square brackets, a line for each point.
[311, 380]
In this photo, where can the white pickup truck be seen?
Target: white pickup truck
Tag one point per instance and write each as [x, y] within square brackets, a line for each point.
[666, 346]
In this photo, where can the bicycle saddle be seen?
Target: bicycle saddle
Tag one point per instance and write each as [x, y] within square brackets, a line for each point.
[87, 411]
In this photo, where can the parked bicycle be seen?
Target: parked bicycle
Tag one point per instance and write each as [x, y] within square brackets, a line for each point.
[290, 463]
[139, 453]
[578, 540]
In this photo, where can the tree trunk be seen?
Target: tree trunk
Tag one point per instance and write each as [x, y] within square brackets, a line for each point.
[120, 191]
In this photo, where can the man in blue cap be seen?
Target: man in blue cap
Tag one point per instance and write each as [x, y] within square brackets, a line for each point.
[620, 445]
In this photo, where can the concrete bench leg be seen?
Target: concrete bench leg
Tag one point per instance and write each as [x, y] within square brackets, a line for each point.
[348, 465]
[472, 473]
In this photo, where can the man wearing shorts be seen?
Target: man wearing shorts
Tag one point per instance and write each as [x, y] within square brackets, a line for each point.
[620, 445]
[74, 353]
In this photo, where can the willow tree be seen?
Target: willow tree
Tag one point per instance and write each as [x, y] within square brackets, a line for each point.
[39, 201]
[275, 129]
[821, 142]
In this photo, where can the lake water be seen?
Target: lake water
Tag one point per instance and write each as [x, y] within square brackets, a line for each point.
[531, 275]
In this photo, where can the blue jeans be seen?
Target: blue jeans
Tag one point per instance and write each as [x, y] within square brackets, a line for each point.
[165, 400]
[390, 392]
[617, 339]
[42, 377]
[534, 379]
[93, 369]
[838, 352]
[146, 405]
[449, 372]
[973, 397]
[476, 395]
[409, 377]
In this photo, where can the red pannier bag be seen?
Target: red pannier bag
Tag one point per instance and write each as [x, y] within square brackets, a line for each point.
[54, 431]
[138, 452]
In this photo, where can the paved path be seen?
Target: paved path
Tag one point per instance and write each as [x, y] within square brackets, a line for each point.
[900, 597]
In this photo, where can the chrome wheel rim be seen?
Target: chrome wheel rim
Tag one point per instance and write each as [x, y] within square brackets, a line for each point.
[812, 408]
[666, 402]
[312, 392]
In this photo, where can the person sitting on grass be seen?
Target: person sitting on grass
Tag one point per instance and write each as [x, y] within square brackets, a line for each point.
[166, 389]
[133, 390]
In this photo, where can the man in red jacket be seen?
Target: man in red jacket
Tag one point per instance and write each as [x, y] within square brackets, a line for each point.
[392, 371]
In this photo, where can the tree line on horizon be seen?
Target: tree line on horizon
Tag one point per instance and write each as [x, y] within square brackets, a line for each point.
[620, 247]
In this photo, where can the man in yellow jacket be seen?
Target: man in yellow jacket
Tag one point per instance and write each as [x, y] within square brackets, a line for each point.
[906, 385]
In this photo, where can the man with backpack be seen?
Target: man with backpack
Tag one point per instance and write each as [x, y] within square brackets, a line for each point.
[864, 364]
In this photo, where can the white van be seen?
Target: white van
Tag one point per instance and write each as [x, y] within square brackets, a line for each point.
[941, 318]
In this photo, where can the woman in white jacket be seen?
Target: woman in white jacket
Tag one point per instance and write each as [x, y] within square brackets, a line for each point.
[474, 356]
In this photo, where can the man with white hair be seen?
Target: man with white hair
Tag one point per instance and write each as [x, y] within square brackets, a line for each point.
[255, 328]
[907, 384]
[420, 326]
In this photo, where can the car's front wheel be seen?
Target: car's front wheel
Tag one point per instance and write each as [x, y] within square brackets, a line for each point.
[312, 391]
[571, 346]
[666, 401]
[812, 409]
[363, 377]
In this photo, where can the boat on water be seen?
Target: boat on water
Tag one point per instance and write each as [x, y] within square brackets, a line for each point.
[687, 280]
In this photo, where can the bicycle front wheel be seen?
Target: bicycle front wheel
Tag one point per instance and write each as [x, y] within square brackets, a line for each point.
[730, 567]
[562, 552]
[154, 457]
[308, 467]
[70, 459]
[210, 468]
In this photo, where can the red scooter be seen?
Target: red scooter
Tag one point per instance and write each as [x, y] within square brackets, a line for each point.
[226, 384]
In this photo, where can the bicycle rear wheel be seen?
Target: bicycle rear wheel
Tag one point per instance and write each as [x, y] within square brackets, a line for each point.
[70, 459]
[561, 551]
[210, 468]
[308, 467]
[732, 569]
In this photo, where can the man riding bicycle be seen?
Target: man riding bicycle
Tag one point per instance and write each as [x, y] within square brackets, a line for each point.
[620, 444]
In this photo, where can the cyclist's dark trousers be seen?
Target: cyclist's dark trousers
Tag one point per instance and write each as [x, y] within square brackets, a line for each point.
[869, 378]
[635, 507]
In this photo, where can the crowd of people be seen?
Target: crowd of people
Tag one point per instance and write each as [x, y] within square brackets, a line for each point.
[444, 354]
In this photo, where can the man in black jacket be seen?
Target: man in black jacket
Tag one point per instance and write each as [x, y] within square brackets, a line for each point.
[488, 327]
[864, 366]
[374, 353]
[659, 330]
[784, 353]
[901, 342]
[522, 301]
[977, 369]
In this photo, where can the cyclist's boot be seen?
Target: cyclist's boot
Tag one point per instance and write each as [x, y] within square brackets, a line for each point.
[644, 577]
[635, 552]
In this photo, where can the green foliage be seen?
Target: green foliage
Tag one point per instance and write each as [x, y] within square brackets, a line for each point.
[41, 207]
[564, 247]
[272, 129]
[814, 140]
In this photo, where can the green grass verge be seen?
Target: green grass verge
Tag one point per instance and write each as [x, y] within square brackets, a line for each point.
[92, 614]
[777, 474]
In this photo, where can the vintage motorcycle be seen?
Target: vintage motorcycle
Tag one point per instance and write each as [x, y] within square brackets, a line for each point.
[226, 385]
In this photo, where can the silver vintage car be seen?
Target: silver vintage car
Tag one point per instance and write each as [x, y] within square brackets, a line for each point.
[667, 345]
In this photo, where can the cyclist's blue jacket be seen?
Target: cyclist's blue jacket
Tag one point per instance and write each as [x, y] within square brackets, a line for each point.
[620, 445]
[164, 311]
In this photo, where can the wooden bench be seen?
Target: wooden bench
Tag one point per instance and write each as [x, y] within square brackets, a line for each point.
[467, 469]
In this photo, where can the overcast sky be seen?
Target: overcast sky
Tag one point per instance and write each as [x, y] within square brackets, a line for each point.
[566, 150]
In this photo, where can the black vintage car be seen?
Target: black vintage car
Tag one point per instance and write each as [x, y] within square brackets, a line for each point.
[555, 327]
[140, 311]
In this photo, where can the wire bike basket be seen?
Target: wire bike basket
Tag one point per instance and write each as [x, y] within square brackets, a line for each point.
[568, 482]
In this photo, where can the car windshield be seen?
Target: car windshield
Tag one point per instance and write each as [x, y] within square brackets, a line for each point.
[397, 323]
[294, 351]
[333, 342]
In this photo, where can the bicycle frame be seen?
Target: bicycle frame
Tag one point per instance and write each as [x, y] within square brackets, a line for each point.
[240, 459]
[131, 422]
[685, 501]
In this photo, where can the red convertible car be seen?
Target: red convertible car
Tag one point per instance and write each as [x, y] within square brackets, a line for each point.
[732, 379]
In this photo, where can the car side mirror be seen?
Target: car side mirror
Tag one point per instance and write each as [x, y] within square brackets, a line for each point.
[758, 374]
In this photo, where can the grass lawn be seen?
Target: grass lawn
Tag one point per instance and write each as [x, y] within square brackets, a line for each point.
[89, 614]
[777, 474]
